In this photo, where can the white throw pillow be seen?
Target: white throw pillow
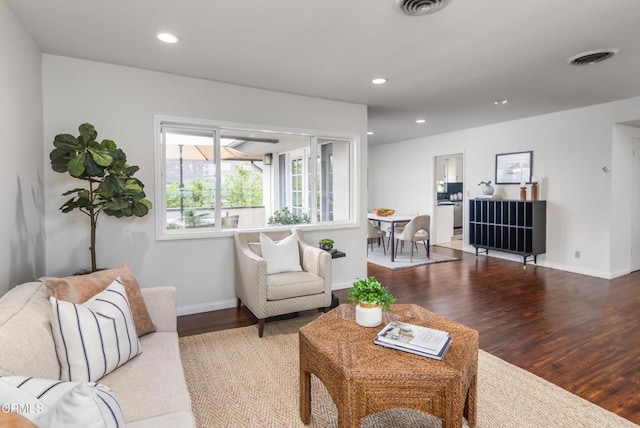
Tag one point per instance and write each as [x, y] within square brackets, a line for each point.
[96, 337]
[281, 256]
[54, 403]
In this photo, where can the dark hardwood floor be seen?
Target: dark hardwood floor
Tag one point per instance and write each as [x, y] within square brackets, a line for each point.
[578, 332]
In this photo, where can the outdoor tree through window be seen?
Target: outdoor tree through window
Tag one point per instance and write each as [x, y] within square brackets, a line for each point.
[213, 178]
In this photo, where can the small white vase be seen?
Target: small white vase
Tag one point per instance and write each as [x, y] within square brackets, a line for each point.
[369, 316]
[487, 189]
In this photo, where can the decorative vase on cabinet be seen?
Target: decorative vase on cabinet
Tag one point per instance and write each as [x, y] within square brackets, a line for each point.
[487, 189]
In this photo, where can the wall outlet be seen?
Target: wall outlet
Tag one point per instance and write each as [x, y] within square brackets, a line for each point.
[577, 254]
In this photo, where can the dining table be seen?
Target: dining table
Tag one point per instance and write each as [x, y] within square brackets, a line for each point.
[392, 220]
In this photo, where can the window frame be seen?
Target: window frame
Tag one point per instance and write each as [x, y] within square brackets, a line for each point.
[219, 127]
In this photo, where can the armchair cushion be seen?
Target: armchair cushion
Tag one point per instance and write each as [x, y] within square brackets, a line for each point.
[281, 256]
[293, 284]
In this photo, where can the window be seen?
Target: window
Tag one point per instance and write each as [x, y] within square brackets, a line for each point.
[212, 178]
[334, 158]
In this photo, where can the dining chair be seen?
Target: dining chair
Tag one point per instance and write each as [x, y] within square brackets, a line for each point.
[230, 221]
[397, 229]
[374, 233]
[417, 230]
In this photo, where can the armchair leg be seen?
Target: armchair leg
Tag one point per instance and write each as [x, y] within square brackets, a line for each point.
[260, 327]
[426, 248]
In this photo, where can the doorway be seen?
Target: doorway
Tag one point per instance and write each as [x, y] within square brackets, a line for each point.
[449, 201]
[635, 207]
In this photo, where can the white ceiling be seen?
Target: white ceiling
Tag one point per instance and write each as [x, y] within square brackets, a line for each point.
[445, 67]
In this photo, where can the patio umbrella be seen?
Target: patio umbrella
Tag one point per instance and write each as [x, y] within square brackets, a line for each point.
[198, 152]
[203, 152]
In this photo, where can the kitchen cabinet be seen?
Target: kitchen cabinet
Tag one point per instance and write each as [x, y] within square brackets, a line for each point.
[449, 168]
[457, 214]
[444, 223]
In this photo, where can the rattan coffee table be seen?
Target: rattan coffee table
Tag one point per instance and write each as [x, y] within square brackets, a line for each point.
[363, 378]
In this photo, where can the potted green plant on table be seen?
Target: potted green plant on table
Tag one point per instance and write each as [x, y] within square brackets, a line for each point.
[326, 244]
[371, 297]
[110, 185]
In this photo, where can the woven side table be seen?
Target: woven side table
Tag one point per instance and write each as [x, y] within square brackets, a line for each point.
[363, 378]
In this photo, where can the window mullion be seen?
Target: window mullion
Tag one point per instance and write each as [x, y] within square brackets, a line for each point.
[313, 206]
[218, 184]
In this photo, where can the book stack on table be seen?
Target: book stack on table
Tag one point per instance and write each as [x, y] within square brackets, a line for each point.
[415, 339]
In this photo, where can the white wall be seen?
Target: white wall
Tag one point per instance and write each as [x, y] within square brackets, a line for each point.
[21, 166]
[121, 102]
[570, 148]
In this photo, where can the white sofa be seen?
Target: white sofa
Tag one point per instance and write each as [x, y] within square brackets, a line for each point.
[151, 389]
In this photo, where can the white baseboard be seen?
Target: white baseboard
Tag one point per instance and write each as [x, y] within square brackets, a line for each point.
[206, 307]
[341, 285]
[544, 263]
[226, 304]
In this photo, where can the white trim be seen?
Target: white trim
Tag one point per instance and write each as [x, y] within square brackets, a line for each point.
[543, 263]
[227, 304]
[341, 285]
[206, 307]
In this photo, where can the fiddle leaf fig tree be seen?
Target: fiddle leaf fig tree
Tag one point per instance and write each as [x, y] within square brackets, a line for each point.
[110, 185]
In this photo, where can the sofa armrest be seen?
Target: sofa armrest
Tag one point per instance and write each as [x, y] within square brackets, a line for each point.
[162, 306]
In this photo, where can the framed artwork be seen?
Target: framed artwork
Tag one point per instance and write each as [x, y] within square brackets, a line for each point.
[514, 168]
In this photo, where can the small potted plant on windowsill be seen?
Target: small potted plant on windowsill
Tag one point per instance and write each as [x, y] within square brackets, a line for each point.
[283, 217]
[370, 298]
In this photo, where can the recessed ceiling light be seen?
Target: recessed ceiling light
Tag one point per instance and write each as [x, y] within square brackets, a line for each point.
[499, 102]
[369, 132]
[421, 120]
[379, 80]
[167, 38]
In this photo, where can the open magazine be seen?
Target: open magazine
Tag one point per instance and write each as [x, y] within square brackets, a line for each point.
[416, 339]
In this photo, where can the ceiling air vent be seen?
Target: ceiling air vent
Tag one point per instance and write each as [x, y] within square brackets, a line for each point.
[592, 57]
[420, 7]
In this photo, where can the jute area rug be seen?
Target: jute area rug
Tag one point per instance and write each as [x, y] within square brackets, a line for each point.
[239, 380]
[403, 259]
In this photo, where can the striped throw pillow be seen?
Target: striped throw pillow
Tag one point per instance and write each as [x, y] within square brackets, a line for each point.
[55, 403]
[96, 337]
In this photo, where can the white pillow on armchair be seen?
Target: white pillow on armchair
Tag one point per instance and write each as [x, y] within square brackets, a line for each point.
[281, 256]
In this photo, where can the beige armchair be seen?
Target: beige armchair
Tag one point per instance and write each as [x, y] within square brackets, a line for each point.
[280, 293]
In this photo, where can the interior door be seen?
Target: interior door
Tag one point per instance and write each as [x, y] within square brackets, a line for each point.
[635, 207]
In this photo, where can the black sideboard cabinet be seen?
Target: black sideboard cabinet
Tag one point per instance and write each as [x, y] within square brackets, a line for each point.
[518, 227]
